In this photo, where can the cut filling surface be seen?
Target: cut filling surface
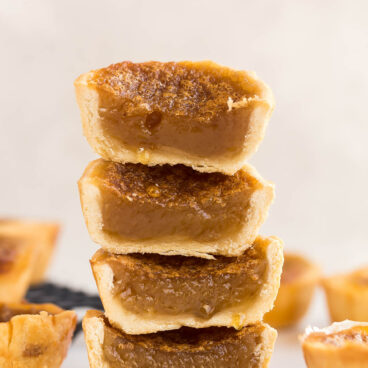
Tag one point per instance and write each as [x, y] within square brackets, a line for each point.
[210, 347]
[174, 285]
[142, 203]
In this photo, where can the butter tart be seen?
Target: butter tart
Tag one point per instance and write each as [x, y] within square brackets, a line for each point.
[34, 335]
[215, 347]
[347, 295]
[172, 210]
[145, 293]
[199, 114]
[42, 234]
[341, 345]
[299, 279]
[17, 259]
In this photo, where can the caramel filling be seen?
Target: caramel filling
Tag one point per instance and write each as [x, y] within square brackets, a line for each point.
[185, 348]
[173, 105]
[174, 285]
[7, 313]
[357, 334]
[141, 203]
[9, 249]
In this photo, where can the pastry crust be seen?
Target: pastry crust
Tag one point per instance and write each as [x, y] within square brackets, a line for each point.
[260, 194]
[347, 295]
[341, 345]
[298, 283]
[94, 325]
[249, 311]
[37, 335]
[17, 259]
[199, 96]
[42, 234]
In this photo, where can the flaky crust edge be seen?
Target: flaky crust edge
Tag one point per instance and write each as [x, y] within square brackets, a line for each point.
[237, 317]
[262, 107]
[257, 213]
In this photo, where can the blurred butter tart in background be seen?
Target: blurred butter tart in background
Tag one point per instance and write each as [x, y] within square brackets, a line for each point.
[173, 210]
[17, 258]
[299, 279]
[41, 234]
[347, 295]
[149, 293]
[341, 345]
[34, 335]
[199, 114]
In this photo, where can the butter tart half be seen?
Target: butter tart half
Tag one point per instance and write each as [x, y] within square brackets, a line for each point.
[215, 347]
[347, 295]
[299, 279]
[199, 114]
[34, 335]
[17, 259]
[341, 345]
[173, 210]
[42, 234]
[145, 293]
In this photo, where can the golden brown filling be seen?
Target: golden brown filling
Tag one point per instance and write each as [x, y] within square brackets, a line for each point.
[155, 284]
[185, 348]
[360, 277]
[140, 202]
[7, 313]
[8, 251]
[180, 105]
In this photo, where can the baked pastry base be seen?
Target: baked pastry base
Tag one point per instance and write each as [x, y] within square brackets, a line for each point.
[341, 345]
[347, 295]
[298, 283]
[192, 122]
[258, 192]
[251, 347]
[34, 335]
[42, 234]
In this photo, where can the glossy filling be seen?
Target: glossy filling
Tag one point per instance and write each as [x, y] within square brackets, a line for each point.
[173, 105]
[175, 285]
[140, 203]
[185, 348]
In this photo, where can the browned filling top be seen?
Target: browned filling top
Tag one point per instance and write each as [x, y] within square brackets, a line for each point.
[171, 185]
[360, 277]
[183, 348]
[7, 313]
[355, 334]
[293, 268]
[178, 285]
[9, 249]
[193, 90]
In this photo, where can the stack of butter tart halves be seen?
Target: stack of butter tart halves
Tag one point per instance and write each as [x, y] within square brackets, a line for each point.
[183, 275]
